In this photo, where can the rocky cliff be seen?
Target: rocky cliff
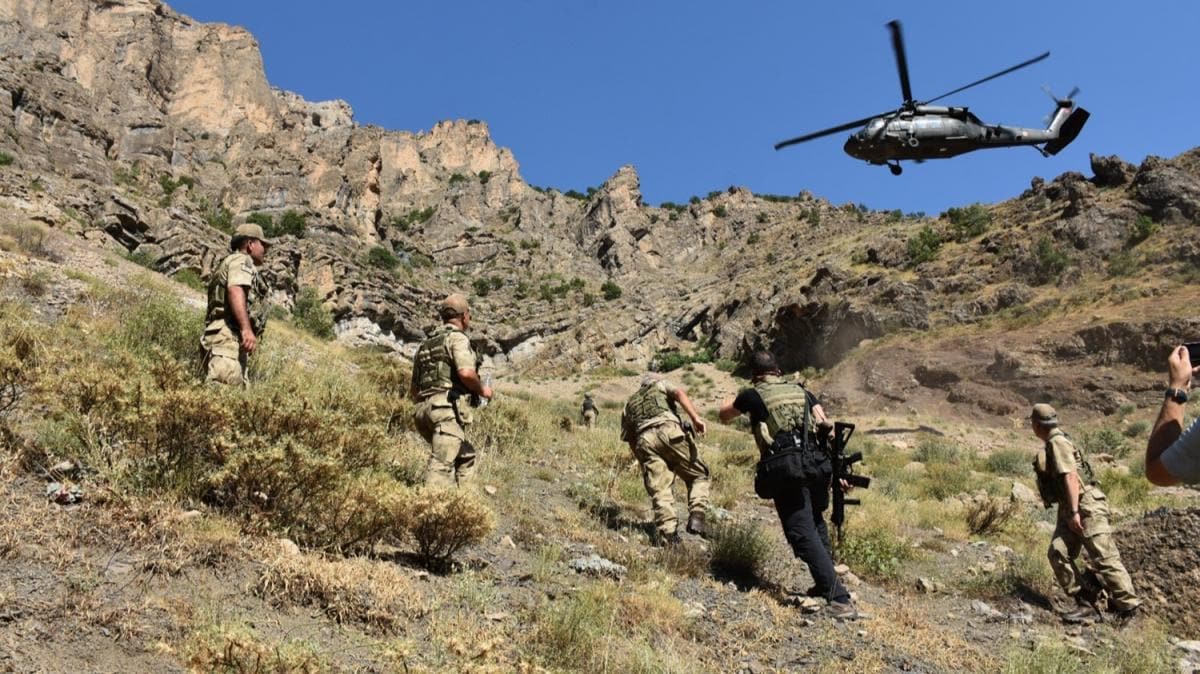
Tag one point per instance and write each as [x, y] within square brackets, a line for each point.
[141, 129]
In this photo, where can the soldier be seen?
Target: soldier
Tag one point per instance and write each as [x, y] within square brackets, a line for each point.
[784, 417]
[588, 411]
[444, 378]
[237, 308]
[1065, 477]
[664, 449]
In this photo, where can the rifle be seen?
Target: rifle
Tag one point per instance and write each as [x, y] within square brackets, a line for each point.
[843, 469]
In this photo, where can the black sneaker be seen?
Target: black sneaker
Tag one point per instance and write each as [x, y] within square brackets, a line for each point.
[695, 524]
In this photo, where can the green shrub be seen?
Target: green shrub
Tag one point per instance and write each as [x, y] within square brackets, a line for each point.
[1136, 429]
[752, 239]
[157, 322]
[1104, 441]
[611, 290]
[923, 246]
[968, 223]
[762, 218]
[482, 287]
[290, 223]
[456, 178]
[414, 217]
[875, 553]
[190, 278]
[484, 177]
[1015, 575]
[944, 480]
[720, 211]
[738, 550]
[30, 237]
[1009, 462]
[382, 258]
[261, 219]
[1124, 489]
[933, 450]
[6, 159]
[1049, 262]
[1141, 229]
[309, 313]
[141, 258]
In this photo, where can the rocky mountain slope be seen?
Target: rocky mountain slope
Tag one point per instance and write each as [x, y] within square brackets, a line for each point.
[135, 126]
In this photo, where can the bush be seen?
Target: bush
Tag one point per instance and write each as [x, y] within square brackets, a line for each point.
[141, 258]
[738, 551]
[382, 258]
[1136, 429]
[156, 323]
[414, 217]
[5, 159]
[944, 480]
[1017, 575]
[611, 290]
[924, 246]
[720, 211]
[484, 177]
[1104, 441]
[875, 554]
[290, 223]
[989, 515]
[218, 217]
[934, 450]
[968, 223]
[1049, 262]
[1008, 462]
[1124, 489]
[190, 278]
[30, 238]
[456, 178]
[443, 521]
[309, 314]
[1122, 263]
[1141, 229]
[263, 220]
[348, 591]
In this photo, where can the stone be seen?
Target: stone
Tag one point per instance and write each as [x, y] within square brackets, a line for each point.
[489, 490]
[841, 569]
[1189, 646]
[987, 611]
[508, 542]
[851, 580]
[926, 586]
[189, 515]
[287, 547]
[595, 565]
[1023, 494]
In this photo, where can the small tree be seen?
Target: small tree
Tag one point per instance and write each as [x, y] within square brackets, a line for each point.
[309, 313]
[924, 246]
[611, 290]
[382, 258]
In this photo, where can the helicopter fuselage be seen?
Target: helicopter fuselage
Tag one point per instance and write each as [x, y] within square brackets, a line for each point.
[934, 132]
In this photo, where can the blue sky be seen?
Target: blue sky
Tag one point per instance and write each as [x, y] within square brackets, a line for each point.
[695, 94]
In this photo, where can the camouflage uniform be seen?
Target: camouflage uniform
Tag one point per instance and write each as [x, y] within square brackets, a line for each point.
[224, 358]
[1060, 457]
[588, 413]
[442, 412]
[653, 429]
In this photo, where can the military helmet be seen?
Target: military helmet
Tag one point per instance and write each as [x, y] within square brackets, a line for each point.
[1044, 415]
[453, 306]
[247, 230]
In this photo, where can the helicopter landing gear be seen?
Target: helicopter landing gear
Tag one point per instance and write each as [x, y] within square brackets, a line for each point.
[895, 168]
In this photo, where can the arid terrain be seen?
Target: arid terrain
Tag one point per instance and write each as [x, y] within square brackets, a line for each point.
[153, 524]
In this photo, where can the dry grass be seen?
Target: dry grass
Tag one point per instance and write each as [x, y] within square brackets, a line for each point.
[989, 515]
[357, 590]
[227, 648]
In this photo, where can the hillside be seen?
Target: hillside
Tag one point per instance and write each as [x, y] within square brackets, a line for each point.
[280, 529]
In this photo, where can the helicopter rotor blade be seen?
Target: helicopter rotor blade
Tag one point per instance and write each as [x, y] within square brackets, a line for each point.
[901, 60]
[990, 77]
[1072, 93]
[842, 127]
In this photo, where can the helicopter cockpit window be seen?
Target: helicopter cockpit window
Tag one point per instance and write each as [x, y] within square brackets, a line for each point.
[875, 126]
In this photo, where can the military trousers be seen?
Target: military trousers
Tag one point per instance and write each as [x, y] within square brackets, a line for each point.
[224, 359]
[664, 452]
[1097, 539]
[801, 512]
[589, 418]
[451, 456]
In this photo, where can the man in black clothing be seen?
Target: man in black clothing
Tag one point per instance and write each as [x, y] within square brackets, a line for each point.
[785, 416]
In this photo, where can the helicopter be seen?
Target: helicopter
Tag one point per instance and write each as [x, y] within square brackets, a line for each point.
[918, 131]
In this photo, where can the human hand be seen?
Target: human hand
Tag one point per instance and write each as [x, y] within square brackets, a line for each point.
[699, 426]
[249, 341]
[1180, 368]
[846, 486]
[1076, 524]
[486, 392]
